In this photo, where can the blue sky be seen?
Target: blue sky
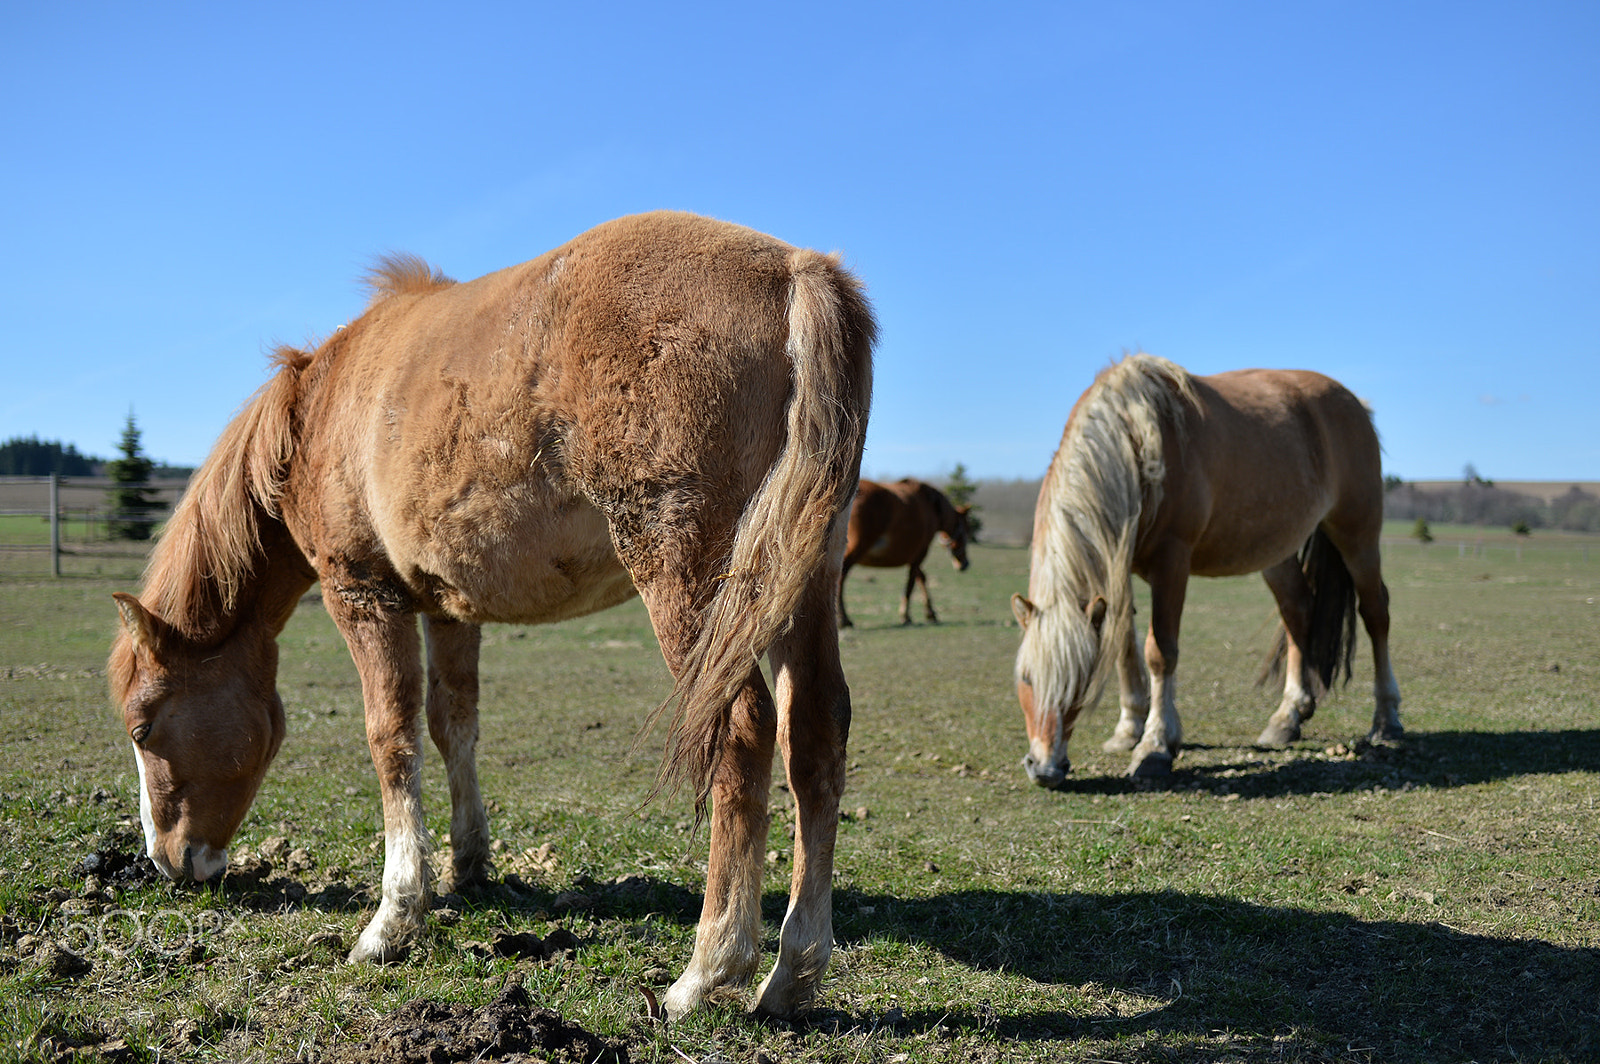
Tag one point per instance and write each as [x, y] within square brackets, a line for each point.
[1401, 195]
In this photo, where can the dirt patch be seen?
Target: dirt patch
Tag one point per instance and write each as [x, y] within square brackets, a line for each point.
[508, 1029]
[117, 861]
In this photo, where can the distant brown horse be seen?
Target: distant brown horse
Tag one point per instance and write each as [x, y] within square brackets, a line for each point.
[1165, 475]
[666, 403]
[893, 525]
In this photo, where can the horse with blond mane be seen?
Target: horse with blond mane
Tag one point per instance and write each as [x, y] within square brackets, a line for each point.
[1165, 475]
[665, 405]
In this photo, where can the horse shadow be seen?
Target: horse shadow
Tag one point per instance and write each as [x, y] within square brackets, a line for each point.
[1279, 977]
[1167, 966]
[1445, 759]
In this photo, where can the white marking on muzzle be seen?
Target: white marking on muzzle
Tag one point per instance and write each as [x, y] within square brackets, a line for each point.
[145, 816]
[204, 862]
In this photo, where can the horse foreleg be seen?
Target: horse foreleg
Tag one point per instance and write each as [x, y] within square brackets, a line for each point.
[727, 942]
[452, 649]
[1293, 594]
[387, 654]
[1163, 731]
[1385, 688]
[813, 728]
[1134, 688]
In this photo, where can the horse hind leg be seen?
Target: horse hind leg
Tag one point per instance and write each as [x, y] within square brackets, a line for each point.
[1362, 561]
[1293, 594]
[727, 942]
[727, 945]
[844, 618]
[452, 649]
[1373, 598]
[813, 729]
[1385, 688]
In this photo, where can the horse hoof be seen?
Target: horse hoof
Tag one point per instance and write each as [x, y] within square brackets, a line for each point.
[781, 997]
[1387, 733]
[383, 953]
[1156, 764]
[1120, 744]
[1275, 735]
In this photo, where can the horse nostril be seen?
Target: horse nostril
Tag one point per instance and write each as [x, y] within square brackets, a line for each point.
[1048, 776]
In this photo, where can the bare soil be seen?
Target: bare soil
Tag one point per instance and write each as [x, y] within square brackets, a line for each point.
[509, 1029]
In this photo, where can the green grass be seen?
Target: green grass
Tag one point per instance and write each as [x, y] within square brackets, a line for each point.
[1434, 900]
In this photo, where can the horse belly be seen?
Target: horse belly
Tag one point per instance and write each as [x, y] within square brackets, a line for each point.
[529, 561]
[1246, 547]
[881, 554]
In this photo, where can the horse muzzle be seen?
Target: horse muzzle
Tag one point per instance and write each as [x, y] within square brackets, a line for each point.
[197, 862]
[1046, 774]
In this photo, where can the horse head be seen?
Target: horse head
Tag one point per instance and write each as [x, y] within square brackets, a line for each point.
[1058, 676]
[205, 722]
[955, 535]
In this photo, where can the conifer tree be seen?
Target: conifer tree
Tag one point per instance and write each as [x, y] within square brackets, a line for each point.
[131, 499]
[960, 491]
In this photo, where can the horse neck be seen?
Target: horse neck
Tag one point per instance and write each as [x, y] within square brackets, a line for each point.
[1085, 525]
[944, 513]
[209, 587]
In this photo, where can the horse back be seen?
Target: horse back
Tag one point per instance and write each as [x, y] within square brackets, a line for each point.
[1268, 456]
[477, 448]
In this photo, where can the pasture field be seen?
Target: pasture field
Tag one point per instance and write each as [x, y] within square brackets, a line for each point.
[1436, 899]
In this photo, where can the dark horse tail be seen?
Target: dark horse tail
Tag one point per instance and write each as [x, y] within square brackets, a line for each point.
[1332, 643]
[783, 538]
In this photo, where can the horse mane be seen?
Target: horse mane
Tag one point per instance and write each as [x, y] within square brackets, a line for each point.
[1104, 484]
[401, 274]
[212, 544]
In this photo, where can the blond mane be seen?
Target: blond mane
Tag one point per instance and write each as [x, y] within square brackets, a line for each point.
[212, 544]
[1103, 484]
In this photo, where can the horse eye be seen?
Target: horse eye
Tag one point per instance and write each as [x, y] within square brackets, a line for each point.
[140, 734]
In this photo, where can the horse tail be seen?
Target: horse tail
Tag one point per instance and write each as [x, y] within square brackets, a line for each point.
[1332, 642]
[787, 526]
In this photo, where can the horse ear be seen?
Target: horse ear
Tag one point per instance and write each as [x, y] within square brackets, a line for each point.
[964, 510]
[147, 631]
[1096, 612]
[1023, 609]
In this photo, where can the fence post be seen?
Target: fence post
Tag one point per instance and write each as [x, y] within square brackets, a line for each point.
[55, 523]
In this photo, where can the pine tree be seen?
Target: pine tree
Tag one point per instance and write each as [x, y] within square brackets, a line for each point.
[131, 499]
[960, 491]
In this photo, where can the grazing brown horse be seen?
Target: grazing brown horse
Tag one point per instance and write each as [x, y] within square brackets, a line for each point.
[666, 404]
[893, 525]
[1167, 475]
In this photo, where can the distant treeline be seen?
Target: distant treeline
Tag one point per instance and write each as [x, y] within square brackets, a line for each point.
[29, 456]
[1007, 507]
[32, 457]
[1479, 502]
